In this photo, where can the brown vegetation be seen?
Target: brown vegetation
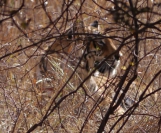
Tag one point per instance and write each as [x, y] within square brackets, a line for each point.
[60, 100]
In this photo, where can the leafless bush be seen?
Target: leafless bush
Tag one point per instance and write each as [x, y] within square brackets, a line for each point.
[60, 100]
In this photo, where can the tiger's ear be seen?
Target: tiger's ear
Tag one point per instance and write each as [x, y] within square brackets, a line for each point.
[93, 27]
[94, 24]
[76, 27]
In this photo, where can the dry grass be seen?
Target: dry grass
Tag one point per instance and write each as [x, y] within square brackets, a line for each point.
[60, 106]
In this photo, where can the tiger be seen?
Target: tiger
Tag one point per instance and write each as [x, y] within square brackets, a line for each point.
[98, 47]
[94, 52]
[99, 52]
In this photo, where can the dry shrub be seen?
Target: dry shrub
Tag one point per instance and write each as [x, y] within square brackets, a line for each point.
[54, 104]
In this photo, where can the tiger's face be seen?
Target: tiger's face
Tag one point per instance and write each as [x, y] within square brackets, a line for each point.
[101, 54]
